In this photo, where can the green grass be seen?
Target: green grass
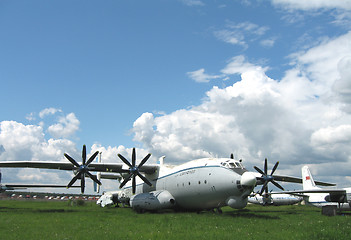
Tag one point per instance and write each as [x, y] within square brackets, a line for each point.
[60, 220]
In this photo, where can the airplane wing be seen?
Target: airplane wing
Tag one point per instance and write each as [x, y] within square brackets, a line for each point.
[7, 187]
[111, 176]
[95, 167]
[335, 195]
[83, 170]
[330, 191]
[299, 180]
[24, 186]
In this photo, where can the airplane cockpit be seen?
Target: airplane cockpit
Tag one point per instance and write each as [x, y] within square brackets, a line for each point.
[234, 165]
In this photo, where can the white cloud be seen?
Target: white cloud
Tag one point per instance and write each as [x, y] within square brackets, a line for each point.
[193, 2]
[342, 85]
[239, 65]
[332, 135]
[48, 111]
[340, 10]
[333, 142]
[313, 4]
[268, 42]
[28, 142]
[66, 126]
[232, 37]
[18, 139]
[321, 62]
[241, 33]
[31, 117]
[296, 120]
[201, 76]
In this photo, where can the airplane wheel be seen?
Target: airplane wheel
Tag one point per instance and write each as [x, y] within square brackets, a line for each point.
[218, 211]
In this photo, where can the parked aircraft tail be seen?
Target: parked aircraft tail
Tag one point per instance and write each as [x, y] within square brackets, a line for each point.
[307, 179]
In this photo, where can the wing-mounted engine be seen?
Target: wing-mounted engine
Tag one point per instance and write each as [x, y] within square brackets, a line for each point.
[82, 170]
[134, 170]
[113, 198]
[152, 201]
[341, 197]
[266, 178]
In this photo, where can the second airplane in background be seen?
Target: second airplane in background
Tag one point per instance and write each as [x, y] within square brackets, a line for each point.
[319, 197]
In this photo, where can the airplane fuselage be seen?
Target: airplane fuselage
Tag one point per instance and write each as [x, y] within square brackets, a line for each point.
[201, 184]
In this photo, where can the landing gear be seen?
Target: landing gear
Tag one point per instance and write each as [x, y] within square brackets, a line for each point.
[217, 210]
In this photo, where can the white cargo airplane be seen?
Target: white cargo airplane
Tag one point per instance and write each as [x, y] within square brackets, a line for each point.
[208, 183]
[320, 197]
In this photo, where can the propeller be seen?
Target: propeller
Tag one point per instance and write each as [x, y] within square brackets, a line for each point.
[265, 178]
[83, 169]
[134, 170]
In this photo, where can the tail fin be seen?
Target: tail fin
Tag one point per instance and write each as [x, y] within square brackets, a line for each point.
[307, 179]
[161, 160]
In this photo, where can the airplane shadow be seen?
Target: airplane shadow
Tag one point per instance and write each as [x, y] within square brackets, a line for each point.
[248, 214]
[54, 210]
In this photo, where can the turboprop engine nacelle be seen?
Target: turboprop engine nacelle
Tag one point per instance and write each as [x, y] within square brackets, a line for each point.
[152, 201]
[237, 202]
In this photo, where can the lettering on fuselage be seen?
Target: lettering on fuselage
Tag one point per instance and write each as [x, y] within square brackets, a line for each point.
[185, 173]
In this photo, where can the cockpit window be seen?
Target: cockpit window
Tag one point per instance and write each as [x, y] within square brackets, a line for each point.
[231, 164]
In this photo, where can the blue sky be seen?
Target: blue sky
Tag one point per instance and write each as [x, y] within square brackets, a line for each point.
[118, 74]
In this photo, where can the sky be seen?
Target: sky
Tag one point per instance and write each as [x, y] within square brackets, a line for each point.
[182, 78]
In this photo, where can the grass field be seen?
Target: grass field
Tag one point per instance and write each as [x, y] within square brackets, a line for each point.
[60, 220]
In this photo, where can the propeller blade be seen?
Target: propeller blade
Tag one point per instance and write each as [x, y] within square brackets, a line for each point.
[71, 160]
[263, 187]
[82, 170]
[266, 190]
[133, 157]
[277, 185]
[74, 179]
[124, 160]
[265, 178]
[84, 154]
[144, 160]
[133, 184]
[82, 183]
[92, 158]
[94, 178]
[126, 180]
[134, 170]
[259, 170]
[275, 167]
[144, 179]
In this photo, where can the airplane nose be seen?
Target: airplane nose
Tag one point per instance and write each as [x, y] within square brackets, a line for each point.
[248, 179]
